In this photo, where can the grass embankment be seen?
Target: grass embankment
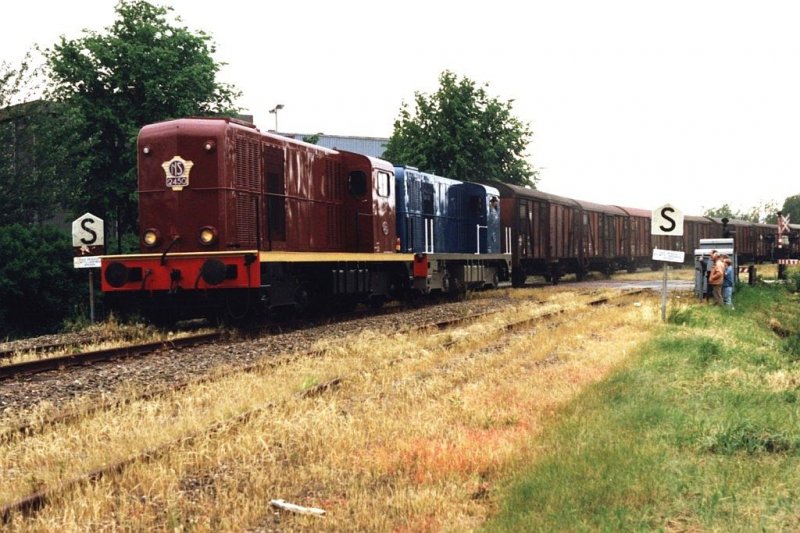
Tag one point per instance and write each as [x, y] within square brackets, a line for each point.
[699, 432]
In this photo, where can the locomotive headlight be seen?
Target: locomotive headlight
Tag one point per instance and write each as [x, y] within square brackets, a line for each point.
[208, 236]
[151, 237]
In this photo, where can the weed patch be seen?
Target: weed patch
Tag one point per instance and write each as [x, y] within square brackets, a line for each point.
[744, 436]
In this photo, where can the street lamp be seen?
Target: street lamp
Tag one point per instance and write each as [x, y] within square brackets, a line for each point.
[275, 110]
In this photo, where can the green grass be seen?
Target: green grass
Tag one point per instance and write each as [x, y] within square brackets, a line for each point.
[701, 432]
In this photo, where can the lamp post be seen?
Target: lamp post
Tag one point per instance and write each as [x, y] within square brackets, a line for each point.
[275, 110]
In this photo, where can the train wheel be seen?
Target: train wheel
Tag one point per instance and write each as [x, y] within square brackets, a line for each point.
[458, 291]
[301, 299]
[159, 317]
[632, 267]
[238, 311]
[414, 298]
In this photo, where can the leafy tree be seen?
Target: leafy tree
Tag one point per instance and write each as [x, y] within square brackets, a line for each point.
[764, 212]
[143, 69]
[32, 176]
[720, 212]
[39, 155]
[39, 287]
[460, 132]
[9, 84]
[791, 206]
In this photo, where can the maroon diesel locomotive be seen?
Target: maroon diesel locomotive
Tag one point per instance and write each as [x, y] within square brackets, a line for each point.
[239, 222]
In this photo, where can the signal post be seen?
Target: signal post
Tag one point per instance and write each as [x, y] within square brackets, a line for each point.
[666, 220]
[88, 244]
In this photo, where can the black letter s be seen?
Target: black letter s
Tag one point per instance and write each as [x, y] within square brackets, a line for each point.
[666, 217]
[89, 230]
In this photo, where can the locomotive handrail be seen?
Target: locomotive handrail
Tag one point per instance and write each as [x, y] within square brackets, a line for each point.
[164, 255]
[478, 228]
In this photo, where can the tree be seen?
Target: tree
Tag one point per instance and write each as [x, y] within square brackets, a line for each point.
[312, 139]
[32, 184]
[462, 133]
[38, 284]
[720, 212]
[764, 212]
[143, 69]
[791, 207]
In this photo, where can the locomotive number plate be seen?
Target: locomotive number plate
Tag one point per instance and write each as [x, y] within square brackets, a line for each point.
[177, 172]
[177, 181]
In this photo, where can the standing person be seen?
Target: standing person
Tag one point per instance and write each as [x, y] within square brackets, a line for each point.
[716, 277]
[727, 282]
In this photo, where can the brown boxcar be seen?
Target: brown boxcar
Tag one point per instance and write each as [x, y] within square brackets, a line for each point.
[637, 234]
[603, 237]
[553, 235]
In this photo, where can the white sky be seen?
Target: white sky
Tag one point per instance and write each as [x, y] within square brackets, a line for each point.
[633, 103]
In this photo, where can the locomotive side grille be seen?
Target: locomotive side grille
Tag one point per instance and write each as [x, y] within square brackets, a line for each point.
[335, 185]
[247, 164]
[246, 181]
[246, 219]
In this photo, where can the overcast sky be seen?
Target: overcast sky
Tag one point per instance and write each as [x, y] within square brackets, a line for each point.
[633, 103]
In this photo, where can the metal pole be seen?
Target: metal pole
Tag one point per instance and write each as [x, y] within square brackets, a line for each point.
[664, 296]
[91, 295]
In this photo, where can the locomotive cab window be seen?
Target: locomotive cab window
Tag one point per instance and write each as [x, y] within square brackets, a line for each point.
[357, 183]
[427, 199]
[476, 205]
[384, 184]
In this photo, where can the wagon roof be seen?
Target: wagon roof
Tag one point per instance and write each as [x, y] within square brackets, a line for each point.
[517, 190]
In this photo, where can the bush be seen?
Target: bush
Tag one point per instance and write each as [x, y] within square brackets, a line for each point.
[793, 279]
[39, 287]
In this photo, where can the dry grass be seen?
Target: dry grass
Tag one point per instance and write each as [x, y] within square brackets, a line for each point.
[108, 335]
[413, 439]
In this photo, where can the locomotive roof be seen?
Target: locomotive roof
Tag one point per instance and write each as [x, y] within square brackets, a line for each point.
[209, 125]
[400, 170]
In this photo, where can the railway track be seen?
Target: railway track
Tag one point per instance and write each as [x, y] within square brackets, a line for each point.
[78, 357]
[28, 429]
[56, 363]
[38, 499]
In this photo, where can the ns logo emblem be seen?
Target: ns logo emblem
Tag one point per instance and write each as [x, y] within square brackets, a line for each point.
[177, 172]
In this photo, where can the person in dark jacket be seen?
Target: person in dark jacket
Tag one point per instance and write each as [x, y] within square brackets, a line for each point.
[727, 282]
